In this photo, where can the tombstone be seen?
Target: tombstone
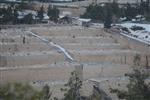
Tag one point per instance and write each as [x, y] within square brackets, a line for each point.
[24, 41]
[3, 61]
[147, 62]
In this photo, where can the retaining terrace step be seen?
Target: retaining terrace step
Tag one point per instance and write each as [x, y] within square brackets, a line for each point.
[16, 47]
[25, 59]
[61, 72]
[66, 32]
[36, 57]
[60, 40]
[105, 69]
[35, 74]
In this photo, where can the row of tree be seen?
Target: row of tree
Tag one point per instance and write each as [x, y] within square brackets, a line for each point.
[99, 12]
[10, 15]
[114, 11]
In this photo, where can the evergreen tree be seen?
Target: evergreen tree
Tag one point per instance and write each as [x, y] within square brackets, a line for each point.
[74, 85]
[8, 15]
[131, 12]
[95, 12]
[28, 19]
[108, 21]
[115, 9]
[108, 18]
[49, 12]
[2, 12]
[137, 88]
[15, 16]
[53, 13]
[22, 5]
[46, 92]
[41, 13]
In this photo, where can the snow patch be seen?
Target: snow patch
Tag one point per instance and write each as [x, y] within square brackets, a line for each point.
[140, 35]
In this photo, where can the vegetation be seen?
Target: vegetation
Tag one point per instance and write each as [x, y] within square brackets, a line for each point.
[137, 59]
[99, 12]
[11, 15]
[53, 13]
[41, 13]
[135, 28]
[73, 88]
[138, 87]
[108, 17]
[28, 19]
[18, 91]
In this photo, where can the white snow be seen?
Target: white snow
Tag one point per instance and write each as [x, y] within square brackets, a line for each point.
[129, 25]
[140, 35]
[46, 17]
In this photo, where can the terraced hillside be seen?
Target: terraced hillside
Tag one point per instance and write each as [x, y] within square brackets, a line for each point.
[24, 58]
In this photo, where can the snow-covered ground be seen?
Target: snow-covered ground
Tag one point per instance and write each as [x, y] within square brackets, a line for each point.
[140, 35]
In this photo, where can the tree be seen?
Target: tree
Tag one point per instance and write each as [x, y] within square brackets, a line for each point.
[15, 16]
[108, 18]
[108, 21]
[73, 87]
[46, 92]
[8, 14]
[131, 12]
[28, 19]
[115, 9]
[41, 13]
[49, 12]
[95, 12]
[147, 16]
[137, 59]
[22, 5]
[53, 13]
[137, 88]
[2, 11]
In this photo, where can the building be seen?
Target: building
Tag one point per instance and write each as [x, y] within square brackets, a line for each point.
[10, 1]
[81, 21]
[57, 1]
[119, 1]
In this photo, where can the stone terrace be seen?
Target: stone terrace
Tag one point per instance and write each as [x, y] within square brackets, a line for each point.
[94, 48]
[100, 53]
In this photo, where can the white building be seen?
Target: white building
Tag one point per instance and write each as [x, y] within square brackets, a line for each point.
[80, 21]
[61, 0]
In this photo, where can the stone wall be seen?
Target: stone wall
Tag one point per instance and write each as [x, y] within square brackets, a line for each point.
[131, 43]
[135, 45]
[34, 74]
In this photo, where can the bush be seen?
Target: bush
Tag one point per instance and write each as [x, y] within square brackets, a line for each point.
[136, 28]
[137, 88]
[19, 91]
[125, 29]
